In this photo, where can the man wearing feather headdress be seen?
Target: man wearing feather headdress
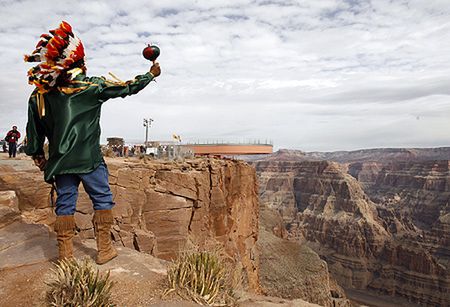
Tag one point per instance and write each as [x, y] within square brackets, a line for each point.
[65, 109]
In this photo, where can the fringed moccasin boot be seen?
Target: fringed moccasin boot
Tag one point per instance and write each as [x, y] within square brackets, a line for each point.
[65, 230]
[103, 220]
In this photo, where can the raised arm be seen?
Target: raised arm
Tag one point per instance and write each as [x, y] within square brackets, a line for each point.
[108, 89]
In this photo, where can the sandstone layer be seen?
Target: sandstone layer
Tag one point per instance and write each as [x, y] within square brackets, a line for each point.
[380, 225]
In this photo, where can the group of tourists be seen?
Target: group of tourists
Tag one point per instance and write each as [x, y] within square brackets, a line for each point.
[127, 150]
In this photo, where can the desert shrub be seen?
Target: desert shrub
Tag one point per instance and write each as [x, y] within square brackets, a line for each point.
[76, 283]
[205, 277]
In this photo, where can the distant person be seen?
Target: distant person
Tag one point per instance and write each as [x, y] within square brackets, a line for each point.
[65, 108]
[12, 137]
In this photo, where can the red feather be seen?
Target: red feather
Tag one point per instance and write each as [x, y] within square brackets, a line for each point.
[52, 52]
[60, 32]
[66, 27]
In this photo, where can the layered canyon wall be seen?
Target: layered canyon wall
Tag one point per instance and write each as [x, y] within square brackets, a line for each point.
[379, 225]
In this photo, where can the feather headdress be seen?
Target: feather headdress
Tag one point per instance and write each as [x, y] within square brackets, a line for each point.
[57, 52]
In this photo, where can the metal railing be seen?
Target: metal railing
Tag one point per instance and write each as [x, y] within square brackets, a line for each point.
[265, 142]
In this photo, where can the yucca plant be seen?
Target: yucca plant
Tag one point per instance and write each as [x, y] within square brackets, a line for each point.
[76, 283]
[204, 277]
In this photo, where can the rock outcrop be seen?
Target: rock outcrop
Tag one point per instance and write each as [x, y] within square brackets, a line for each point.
[160, 206]
[380, 225]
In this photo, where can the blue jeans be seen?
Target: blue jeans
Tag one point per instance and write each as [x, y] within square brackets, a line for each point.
[12, 149]
[95, 183]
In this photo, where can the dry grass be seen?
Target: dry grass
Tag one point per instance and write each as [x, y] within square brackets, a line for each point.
[76, 283]
[204, 277]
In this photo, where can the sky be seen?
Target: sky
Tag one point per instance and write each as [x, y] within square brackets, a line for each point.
[311, 75]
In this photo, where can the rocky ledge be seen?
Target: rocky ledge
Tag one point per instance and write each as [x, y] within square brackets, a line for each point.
[161, 205]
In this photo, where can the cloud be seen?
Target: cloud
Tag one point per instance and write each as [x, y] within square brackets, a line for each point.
[313, 75]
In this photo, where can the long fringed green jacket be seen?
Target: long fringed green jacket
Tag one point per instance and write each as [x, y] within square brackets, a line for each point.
[71, 122]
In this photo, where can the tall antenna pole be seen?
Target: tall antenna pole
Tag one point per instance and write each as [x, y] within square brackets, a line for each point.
[147, 124]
